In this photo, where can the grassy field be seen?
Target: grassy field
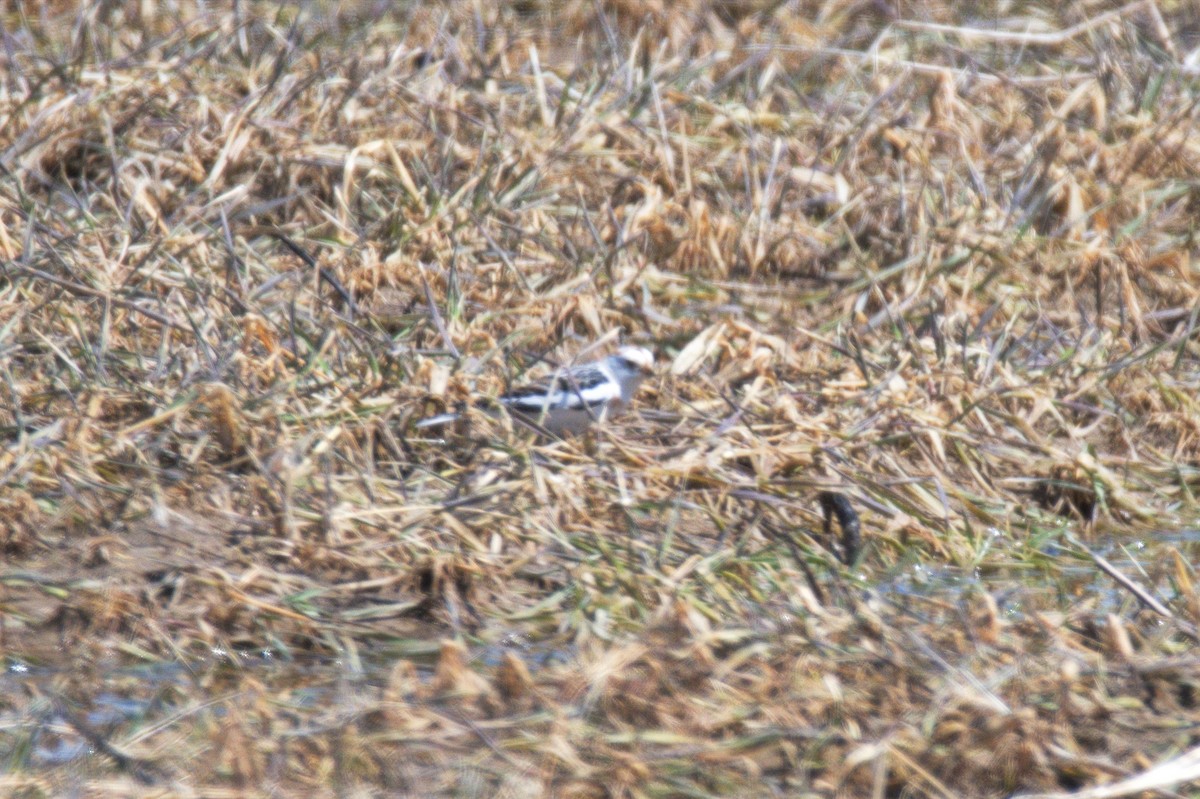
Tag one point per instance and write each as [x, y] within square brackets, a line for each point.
[939, 259]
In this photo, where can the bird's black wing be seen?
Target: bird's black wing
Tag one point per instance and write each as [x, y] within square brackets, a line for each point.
[587, 388]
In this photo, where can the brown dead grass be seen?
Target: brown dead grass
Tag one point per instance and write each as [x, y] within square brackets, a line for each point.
[937, 257]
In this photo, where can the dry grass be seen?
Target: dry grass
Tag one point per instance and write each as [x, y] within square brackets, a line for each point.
[938, 258]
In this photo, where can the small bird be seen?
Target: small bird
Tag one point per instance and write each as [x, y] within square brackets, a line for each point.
[572, 399]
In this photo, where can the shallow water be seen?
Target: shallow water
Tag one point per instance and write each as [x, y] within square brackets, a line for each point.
[52, 715]
[1020, 588]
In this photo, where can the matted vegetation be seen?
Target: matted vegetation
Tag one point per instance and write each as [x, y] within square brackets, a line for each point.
[938, 258]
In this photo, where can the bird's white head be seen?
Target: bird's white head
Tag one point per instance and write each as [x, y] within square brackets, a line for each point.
[634, 360]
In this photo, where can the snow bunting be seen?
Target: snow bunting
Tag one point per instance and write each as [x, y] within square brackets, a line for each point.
[572, 399]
